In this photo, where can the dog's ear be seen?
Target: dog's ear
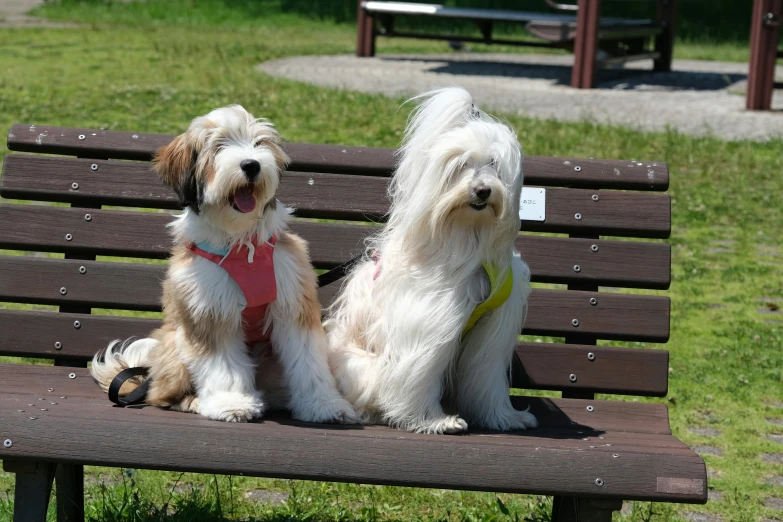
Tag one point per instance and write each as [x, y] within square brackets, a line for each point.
[281, 158]
[175, 163]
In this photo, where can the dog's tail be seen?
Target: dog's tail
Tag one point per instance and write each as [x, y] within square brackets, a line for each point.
[118, 356]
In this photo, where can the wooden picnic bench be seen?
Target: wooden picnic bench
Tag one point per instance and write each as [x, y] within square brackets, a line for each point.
[583, 33]
[764, 53]
[590, 454]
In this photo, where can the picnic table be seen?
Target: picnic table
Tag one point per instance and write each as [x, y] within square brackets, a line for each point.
[578, 28]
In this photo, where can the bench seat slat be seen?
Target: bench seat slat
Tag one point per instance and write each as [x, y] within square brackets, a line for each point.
[546, 365]
[641, 418]
[134, 286]
[547, 171]
[85, 428]
[143, 234]
[328, 196]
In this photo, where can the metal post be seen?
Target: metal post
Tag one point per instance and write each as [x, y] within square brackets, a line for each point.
[764, 36]
[583, 75]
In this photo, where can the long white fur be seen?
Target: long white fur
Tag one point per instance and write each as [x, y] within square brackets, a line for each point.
[225, 381]
[396, 346]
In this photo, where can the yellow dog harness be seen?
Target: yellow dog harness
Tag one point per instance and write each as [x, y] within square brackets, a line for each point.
[499, 292]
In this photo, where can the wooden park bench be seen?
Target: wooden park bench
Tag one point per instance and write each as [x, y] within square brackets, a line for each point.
[764, 53]
[584, 33]
[590, 454]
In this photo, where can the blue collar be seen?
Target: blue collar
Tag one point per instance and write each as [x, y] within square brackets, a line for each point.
[209, 248]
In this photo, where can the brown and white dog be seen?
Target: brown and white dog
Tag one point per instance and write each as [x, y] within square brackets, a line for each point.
[209, 356]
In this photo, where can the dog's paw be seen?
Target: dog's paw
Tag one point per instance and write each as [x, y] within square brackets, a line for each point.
[333, 409]
[444, 425]
[513, 420]
[522, 420]
[231, 406]
[189, 404]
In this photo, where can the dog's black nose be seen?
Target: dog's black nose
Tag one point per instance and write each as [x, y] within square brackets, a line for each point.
[251, 168]
[482, 192]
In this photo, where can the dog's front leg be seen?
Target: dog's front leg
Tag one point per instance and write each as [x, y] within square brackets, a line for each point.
[224, 379]
[299, 340]
[412, 387]
[483, 373]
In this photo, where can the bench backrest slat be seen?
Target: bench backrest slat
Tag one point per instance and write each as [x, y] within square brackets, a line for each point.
[135, 286]
[571, 172]
[325, 196]
[546, 365]
[347, 185]
[144, 235]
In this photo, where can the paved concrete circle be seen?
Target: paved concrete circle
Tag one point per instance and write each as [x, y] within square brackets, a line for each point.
[698, 97]
[13, 13]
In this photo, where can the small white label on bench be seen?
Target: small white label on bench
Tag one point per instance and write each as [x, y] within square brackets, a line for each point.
[532, 205]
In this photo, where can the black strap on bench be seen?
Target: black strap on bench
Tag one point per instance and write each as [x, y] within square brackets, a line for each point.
[138, 395]
[339, 271]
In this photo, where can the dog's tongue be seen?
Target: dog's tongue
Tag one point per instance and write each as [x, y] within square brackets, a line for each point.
[244, 199]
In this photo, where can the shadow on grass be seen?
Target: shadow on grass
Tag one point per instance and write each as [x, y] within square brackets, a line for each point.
[616, 79]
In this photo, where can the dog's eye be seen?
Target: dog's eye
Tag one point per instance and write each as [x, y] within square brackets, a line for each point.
[258, 142]
[493, 163]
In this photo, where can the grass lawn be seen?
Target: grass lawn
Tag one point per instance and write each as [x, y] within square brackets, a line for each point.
[153, 68]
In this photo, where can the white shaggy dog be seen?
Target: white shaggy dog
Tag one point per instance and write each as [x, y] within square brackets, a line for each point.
[239, 286]
[401, 350]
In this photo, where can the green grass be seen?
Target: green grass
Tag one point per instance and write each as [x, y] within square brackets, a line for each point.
[727, 41]
[151, 68]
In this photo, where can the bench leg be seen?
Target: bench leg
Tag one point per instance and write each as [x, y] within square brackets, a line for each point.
[584, 71]
[664, 42]
[33, 487]
[764, 35]
[69, 480]
[573, 509]
[365, 32]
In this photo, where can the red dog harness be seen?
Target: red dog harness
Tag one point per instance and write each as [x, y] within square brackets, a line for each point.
[251, 265]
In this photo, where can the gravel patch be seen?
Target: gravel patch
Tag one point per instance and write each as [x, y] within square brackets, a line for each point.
[708, 450]
[775, 480]
[262, 496]
[702, 517]
[772, 458]
[774, 503]
[705, 432]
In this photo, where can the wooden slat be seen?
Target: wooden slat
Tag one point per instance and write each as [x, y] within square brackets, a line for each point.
[137, 287]
[78, 430]
[544, 365]
[142, 234]
[607, 416]
[618, 317]
[338, 159]
[321, 196]
[609, 370]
